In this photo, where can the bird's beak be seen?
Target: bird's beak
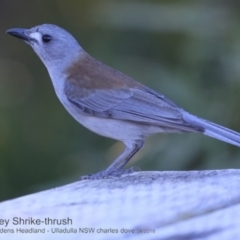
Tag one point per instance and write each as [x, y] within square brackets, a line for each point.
[19, 33]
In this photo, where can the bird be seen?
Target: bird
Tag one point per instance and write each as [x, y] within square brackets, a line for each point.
[108, 102]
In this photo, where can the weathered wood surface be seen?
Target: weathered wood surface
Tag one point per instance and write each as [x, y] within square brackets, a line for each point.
[168, 205]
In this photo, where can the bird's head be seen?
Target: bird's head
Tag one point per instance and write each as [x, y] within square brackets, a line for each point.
[52, 44]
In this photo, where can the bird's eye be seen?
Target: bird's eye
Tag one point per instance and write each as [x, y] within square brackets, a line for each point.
[46, 38]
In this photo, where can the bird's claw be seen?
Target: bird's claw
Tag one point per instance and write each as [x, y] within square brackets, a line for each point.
[109, 175]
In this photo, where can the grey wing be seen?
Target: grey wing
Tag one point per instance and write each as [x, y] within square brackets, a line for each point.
[137, 105]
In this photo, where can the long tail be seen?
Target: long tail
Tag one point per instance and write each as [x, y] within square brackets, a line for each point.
[214, 130]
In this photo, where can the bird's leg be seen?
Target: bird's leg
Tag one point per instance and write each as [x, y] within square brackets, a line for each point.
[125, 156]
[116, 168]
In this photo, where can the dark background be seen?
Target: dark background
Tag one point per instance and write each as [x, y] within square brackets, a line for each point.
[189, 51]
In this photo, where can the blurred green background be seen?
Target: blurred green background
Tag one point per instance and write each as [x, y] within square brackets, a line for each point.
[187, 50]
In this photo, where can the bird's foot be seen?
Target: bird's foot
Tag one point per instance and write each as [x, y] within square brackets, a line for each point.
[109, 174]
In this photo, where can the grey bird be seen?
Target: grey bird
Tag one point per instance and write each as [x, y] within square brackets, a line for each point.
[108, 102]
